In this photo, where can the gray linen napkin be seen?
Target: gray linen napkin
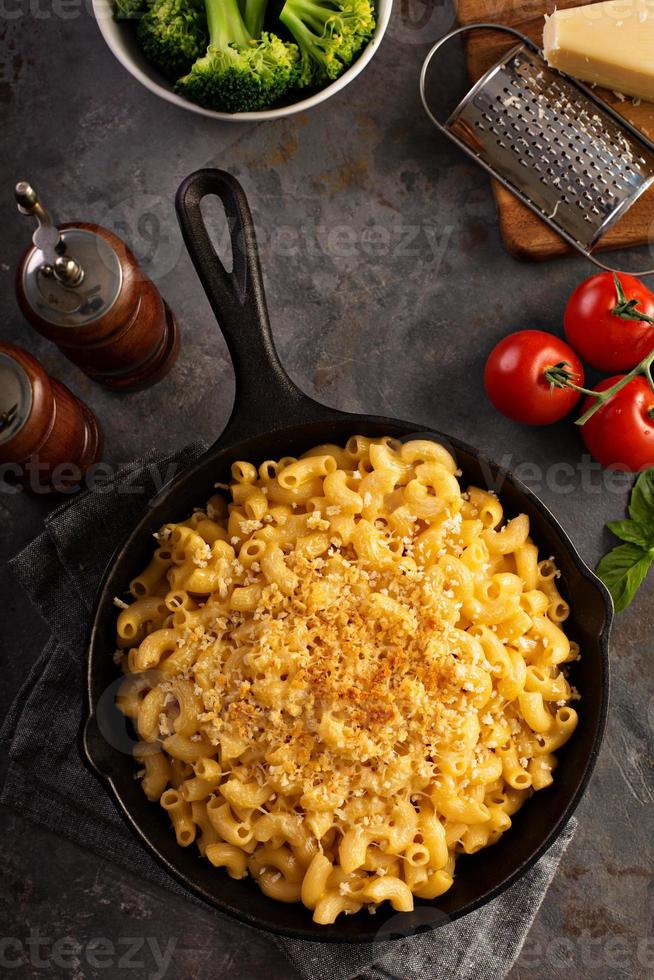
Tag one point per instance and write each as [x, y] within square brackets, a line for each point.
[47, 782]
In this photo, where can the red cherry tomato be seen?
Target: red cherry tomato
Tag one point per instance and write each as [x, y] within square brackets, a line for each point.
[603, 321]
[515, 380]
[621, 433]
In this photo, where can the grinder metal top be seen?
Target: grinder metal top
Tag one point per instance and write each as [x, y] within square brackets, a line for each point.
[71, 276]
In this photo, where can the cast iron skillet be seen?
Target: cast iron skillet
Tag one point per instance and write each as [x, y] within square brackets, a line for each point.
[272, 418]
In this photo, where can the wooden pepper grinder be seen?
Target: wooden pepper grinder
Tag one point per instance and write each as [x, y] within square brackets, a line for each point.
[81, 287]
[47, 435]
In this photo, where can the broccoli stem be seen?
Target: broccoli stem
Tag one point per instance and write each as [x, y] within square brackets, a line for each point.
[312, 14]
[309, 22]
[254, 13]
[239, 73]
[329, 34]
[225, 24]
[300, 31]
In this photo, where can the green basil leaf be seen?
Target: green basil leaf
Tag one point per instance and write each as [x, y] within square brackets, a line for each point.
[641, 505]
[631, 531]
[622, 570]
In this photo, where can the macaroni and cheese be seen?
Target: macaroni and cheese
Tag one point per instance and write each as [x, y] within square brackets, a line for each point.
[347, 674]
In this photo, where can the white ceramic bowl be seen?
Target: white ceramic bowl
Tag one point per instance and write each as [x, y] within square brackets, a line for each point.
[121, 38]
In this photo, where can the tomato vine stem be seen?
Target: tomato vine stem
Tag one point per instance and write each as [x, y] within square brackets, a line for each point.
[559, 377]
[626, 308]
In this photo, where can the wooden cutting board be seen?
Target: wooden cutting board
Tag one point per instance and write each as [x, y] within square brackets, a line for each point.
[524, 234]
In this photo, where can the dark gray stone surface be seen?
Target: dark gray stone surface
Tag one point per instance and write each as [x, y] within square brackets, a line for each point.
[387, 285]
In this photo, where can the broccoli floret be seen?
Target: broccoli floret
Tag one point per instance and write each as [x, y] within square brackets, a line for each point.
[329, 34]
[172, 34]
[254, 12]
[129, 9]
[239, 73]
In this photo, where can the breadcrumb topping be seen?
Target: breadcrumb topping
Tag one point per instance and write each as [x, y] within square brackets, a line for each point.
[356, 683]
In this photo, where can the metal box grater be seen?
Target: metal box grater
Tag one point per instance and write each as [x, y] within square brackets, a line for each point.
[551, 141]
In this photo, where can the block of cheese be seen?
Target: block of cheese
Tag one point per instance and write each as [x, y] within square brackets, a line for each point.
[609, 44]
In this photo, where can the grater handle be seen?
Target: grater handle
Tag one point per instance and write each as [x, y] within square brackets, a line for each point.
[448, 37]
[620, 272]
[467, 28]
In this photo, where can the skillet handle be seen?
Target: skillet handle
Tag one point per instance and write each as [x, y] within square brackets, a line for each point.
[266, 398]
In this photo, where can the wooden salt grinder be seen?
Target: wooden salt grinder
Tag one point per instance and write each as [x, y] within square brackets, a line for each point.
[48, 437]
[81, 287]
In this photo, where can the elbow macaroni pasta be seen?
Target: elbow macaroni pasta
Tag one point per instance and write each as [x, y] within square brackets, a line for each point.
[347, 675]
